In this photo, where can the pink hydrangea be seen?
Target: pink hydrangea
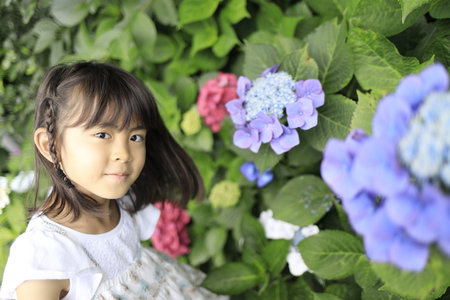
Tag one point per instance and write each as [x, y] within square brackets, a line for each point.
[213, 96]
[171, 236]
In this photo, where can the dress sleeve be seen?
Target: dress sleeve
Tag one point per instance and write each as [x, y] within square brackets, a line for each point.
[40, 254]
[146, 220]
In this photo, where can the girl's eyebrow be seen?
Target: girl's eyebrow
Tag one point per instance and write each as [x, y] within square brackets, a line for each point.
[114, 126]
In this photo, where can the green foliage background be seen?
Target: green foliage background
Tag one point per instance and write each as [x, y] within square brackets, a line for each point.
[358, 49]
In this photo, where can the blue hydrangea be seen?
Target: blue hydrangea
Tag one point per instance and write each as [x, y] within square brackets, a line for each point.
[426, 146]
[263, 103]
[394, 185]
[270, 94]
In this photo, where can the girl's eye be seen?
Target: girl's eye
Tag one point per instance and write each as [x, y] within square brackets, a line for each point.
[137, 138]
[103, 135]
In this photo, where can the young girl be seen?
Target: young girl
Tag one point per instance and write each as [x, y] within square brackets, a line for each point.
[99, 136]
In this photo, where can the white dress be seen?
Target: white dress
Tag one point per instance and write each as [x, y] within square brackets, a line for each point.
[112, 265]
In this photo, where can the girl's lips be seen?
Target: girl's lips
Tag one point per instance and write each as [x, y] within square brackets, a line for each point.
[118, 176]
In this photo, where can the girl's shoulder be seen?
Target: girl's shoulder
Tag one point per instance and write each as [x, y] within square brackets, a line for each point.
[41, 253]
[145, 219]
[42, 247]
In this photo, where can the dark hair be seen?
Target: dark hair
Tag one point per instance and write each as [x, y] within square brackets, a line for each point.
[103, 93]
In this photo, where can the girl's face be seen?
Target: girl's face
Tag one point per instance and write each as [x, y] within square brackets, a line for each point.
[103, 161]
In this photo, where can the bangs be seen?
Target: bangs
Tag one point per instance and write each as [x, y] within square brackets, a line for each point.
[105, 99]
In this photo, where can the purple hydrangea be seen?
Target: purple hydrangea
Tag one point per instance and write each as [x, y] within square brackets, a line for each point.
[399, 212]
[265, 101]
[251, 172]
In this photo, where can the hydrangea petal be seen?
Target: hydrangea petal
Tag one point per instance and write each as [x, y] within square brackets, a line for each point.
[376, 168]
[408, 254]
[243, 85]
[265, 178]
[391, 119]
[335, 169]
[286, 141]
[250, 171]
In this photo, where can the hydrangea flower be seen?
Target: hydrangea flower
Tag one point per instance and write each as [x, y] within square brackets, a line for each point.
[278, 229]
[4, 191]
[191, 123]
[212, 98]
[22, 182]
[10, 144]
[251, 172]
[393, 184]
[171, 236]
[261, 105]
[225, 193]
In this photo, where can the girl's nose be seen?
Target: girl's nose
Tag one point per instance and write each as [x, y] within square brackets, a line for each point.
[121, 153]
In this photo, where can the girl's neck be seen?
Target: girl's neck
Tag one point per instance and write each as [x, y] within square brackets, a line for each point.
[92, 223]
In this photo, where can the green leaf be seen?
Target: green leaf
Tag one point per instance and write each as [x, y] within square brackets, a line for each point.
[277, 290]
[284, 45]
[432, 281]
[373, 294]
[46, 31]
[410, 5]
[199, 253]
[165, 11]
[164, 49]
[231, 279]
[382, 16]
[365, 109]
[253, 233]
[302, 201]
[440, 9]
[258, 57]
[331, 254]
[334, 121]
[224, 45]
[299, 290]
[235, 10]
[287, 26]
[144, 34]
[300, 65]
[344, 290]
[269, 16]
[196, 10]
[364, 274]
[274, 254]
[326, 7]
[328, 48]
[302, 156]
[205, 35]
[378, 65]
[83, 41]
[255, 260]
[202, 141]
[186, 91]
[325, 296]
[69, 12]
[6, 235]
[215, 240]
[15, 214]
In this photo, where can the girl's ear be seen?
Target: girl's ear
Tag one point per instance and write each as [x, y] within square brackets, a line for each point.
[42, 143]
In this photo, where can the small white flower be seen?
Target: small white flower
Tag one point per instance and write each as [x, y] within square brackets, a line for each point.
[309, 230]
[276, 229]
[4, 191]
[295, 262]
[22, 182]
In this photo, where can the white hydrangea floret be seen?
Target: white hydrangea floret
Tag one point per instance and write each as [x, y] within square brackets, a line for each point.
[295, 262]
[22, 182]
[4, 191]
[277, 229]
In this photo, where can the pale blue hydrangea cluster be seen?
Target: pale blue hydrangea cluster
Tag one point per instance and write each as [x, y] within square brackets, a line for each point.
[270, 94]
[258, 111]
[425, 148]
